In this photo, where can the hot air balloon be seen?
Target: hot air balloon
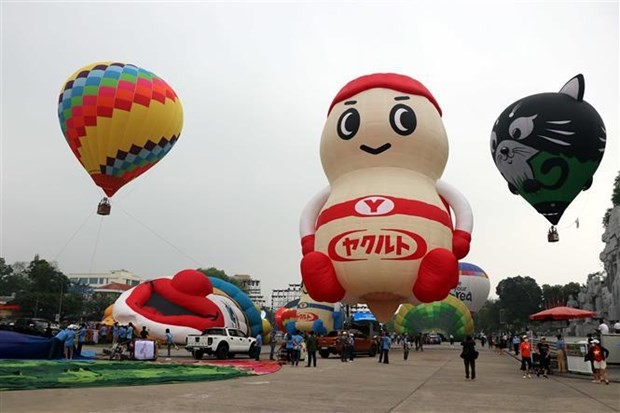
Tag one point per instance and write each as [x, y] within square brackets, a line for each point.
[547, 147]
[119, 120]
[474, 286]
[188, 303]
[311, 315]
[449, 316]
[381, 233]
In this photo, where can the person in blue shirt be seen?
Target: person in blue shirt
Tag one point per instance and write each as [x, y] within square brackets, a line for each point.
[57, 345]
[103, 334]
[122, 333]
[297, 340]
[516, 342]
[289, 347]
[69, 339]
[259, 344]
[560, 352]
[81, 339]
[386, 344]
[115, 332]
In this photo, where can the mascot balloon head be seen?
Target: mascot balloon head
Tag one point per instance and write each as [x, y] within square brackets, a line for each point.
[381, 233]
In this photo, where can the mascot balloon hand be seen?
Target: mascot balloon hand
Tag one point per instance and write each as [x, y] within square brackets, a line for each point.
[381, 233]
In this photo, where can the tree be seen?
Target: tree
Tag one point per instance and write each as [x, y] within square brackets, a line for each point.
[553, 296]
[519, 297]
[11, 282]
[97, 303]
[556, 295]
[572, 288]
[214, 272]
[615, 200]
[487, 318]
[48, 293]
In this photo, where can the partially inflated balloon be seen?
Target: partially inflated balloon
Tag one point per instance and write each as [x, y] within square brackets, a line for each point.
[449, 316]
[547, 147]
[474, 286]
[119, 120]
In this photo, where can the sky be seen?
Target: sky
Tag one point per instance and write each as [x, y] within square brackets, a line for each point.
[256, 80]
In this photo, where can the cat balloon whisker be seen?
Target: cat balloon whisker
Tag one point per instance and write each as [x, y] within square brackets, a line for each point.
[556, 141]
[558, 122]
[561, 132]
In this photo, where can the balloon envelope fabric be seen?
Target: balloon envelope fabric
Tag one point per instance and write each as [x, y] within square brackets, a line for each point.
[119, 120]
[21, 375]
[449, 316]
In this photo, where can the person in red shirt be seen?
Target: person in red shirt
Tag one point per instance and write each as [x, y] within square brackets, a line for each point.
[598, 354]
[525, 348]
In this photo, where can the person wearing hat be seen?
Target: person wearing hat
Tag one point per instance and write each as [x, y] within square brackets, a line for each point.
[69, 338]
[525, 348]
[544, 355]
[598, 355]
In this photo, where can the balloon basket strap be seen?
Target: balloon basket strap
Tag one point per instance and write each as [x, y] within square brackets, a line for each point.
[552, 235]
[104, 207]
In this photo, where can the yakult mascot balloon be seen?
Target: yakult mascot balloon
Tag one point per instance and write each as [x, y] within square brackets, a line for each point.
[381, 233]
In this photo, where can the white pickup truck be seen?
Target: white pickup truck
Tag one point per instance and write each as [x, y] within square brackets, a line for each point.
[222, 342]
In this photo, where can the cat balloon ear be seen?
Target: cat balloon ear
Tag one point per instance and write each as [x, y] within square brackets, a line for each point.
[575, 87]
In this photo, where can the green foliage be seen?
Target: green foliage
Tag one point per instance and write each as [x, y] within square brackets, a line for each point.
[519, 297]
[45, 277]
[41, 290]
[214, 272]
[553, 296]
[487, 318]
[11, 282]
[96, 305]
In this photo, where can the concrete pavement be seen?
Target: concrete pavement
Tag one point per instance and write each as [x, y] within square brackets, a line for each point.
[429, 381]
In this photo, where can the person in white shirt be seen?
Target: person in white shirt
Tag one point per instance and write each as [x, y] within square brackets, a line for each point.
[603, 328]
[617, 327]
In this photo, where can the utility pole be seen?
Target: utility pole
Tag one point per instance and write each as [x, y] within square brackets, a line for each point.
[59, 304]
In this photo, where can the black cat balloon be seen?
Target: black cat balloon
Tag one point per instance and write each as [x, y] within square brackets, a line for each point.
[548, 146]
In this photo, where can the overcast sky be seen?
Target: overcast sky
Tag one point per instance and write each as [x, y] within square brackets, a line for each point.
[256, 80]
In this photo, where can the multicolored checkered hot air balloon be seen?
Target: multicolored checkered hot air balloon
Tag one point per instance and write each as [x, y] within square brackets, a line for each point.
[119, 120]
[448, 316]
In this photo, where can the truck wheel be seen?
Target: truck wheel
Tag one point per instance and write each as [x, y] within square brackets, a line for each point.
[373, 351]
[198, 354]
[252, 352]
[324, 353]
[222, 351]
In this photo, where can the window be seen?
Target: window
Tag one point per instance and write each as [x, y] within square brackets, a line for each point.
[93, 280]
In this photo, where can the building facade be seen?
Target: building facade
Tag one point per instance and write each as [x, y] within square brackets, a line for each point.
[102, 279]
[253, 288]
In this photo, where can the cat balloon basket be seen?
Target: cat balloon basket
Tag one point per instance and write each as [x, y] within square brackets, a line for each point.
[552, 235]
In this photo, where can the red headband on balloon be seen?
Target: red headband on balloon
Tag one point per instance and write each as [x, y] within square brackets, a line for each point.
[392, 81]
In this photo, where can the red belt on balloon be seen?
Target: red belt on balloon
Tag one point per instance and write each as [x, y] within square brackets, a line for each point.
[401, 206]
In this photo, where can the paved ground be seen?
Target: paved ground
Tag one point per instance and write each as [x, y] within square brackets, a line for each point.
[432, 381]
